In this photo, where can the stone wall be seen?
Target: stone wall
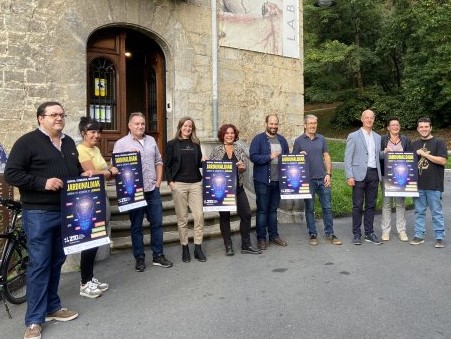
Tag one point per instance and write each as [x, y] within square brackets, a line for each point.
[43, 57]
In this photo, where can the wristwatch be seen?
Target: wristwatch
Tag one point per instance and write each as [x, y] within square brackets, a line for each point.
[329, 174]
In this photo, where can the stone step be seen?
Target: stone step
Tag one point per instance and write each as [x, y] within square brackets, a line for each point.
[172, 236]
[120, 224]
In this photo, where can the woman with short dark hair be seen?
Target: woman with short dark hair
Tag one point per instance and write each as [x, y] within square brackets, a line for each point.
[229, 150]
[91, 159]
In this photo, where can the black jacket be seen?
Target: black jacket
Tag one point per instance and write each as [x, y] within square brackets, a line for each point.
[173, 158]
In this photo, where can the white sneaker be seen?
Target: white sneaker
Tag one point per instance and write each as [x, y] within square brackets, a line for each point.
[403, 236]
[90, 290]
[385, 236]
[103, 286]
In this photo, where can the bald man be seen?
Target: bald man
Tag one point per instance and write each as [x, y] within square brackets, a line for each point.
[363, 173]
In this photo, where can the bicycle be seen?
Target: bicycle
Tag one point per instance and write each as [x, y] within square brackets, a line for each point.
[14, 258]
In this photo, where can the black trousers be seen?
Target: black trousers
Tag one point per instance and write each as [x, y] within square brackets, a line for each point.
[87, 259]
[364, 192]
[244, 212]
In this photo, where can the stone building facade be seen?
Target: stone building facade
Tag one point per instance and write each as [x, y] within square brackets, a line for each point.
[47, 48]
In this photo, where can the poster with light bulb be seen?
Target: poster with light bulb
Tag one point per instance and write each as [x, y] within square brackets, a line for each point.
[219, 185]
[83, 214]
[294, 180]
[129, 181]
[401, 174]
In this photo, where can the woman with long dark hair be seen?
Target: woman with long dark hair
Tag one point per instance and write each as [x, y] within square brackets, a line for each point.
[182, 162]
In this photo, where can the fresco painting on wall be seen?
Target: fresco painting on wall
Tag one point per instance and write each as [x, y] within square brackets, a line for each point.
[261, 26]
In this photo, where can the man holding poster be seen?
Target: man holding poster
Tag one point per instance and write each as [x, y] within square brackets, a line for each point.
[152, 170]
[314, 147]
[264, 153]
[432, 157]
[37, 165]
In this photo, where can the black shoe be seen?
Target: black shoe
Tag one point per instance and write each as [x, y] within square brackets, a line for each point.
[140, 265]
[185, 254]
[161, 261]
[250, 250]
[356, 240]
[229, 251]
[198, 254]
[372, 239]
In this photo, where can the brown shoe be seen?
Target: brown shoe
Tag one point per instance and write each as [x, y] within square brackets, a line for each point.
[313, 240]
[261, 244]
[33, 332]
[62, 314]
[278, 242]
[333, 239]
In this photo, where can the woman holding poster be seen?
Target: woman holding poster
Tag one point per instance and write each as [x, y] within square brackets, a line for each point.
[229, 150]
[91, 159]
[393, 142]
[182, 162]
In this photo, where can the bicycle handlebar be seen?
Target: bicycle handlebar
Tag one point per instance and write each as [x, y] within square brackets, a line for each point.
[10, 204]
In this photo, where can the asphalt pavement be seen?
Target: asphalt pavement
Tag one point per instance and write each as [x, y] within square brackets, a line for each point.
[394, 290]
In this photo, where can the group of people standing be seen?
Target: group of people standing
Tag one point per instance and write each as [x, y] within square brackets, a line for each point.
[364, 155]
[41, 159]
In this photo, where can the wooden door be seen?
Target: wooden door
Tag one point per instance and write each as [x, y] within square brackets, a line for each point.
[106, 88]
[126, 73]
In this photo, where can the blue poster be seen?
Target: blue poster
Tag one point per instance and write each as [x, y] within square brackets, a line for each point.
[3, 159]
[294, 180]
[129, 181]
[401, 174]
[219, 185]
[83, 214]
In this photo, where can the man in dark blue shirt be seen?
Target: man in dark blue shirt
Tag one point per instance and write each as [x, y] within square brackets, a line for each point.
[314, 147]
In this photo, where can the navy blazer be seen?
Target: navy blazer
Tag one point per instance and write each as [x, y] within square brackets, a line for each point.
[356, 155]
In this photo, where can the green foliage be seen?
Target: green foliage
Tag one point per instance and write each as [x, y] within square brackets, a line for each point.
[350, 111]
[393, 56]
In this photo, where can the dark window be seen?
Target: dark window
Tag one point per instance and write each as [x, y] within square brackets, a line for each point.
[102, 92]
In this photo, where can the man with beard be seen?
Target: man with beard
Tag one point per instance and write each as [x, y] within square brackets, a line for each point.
[264, 152]
[432, 156]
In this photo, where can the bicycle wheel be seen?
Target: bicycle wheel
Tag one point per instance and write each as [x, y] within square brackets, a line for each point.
[14, 270]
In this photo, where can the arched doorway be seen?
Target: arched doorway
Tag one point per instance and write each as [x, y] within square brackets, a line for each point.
[125, 74]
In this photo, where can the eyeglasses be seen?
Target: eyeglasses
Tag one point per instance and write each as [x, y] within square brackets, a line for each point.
[55, 115]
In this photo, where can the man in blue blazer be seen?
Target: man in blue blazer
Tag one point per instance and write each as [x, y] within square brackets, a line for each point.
[363, 173]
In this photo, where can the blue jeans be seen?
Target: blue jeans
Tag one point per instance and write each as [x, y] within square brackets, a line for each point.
[267, 199]
[45, 248]
[154, 214]
[325, 198]
[431, 199]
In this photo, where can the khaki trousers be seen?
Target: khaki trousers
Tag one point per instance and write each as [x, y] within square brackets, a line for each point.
[184, 195]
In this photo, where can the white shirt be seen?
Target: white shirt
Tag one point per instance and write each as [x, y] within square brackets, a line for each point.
[371, 148]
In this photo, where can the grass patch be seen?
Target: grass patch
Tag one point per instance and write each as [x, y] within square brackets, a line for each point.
[342, 197]
[336, 149]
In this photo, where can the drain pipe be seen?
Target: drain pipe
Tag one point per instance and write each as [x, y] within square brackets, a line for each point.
[214, 66]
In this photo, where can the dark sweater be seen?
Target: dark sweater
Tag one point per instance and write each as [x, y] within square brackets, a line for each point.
[173, 159]
[33, 160]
